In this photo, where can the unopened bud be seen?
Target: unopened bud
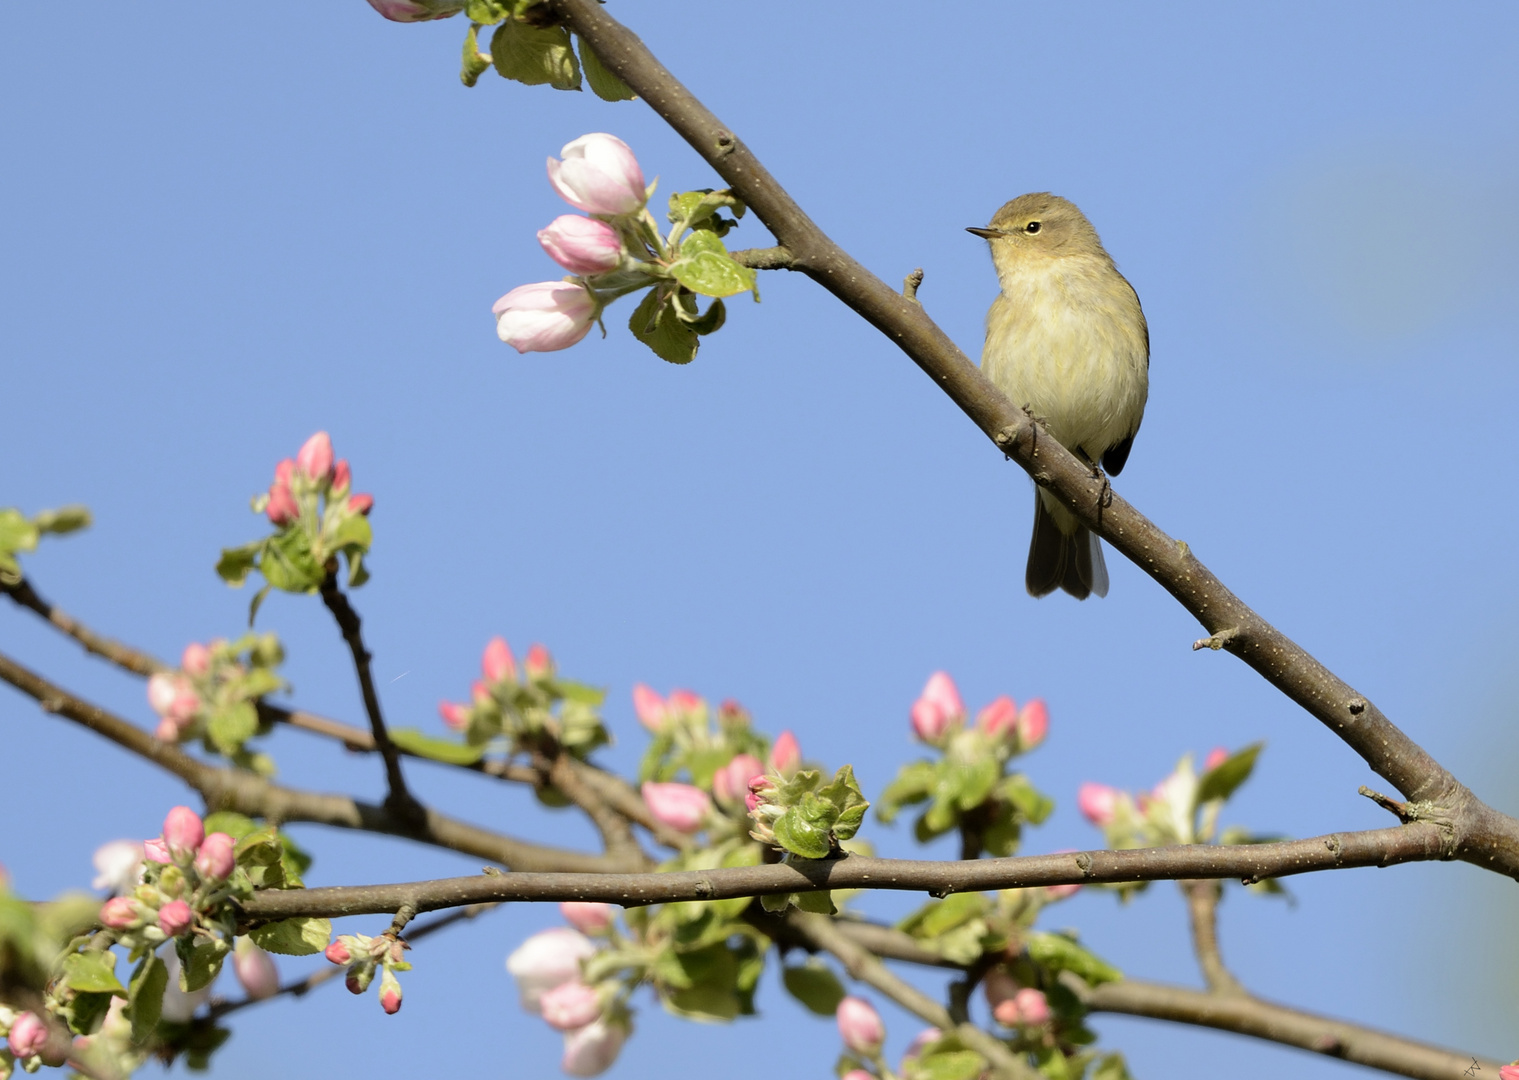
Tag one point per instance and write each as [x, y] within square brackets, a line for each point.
[1033, 724]
[570, 1005]
[315, 457]
[587, 916]
[390, 993]
[255, 969]
[338, 953]
[860, 1026]
[454, 715]
[215, 859]
[281, 508]
[730, 784]
[679, 806]
[120, 913]
[342, 478]
[498, 664]
[1216, 757]
[649, 707]
[361, 503]
[175, 917]
[786, 754]
[155, 850]
[1097, 802]
[999, 719]
[937, 708]
[539, 663]
[183, 830]
[28, 1035]
[196, 659]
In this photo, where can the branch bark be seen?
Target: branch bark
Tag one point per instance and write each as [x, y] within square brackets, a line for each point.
[1477, 833]
[1202, 913]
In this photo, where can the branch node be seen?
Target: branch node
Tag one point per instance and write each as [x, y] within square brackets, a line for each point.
[407, 912]
[910, 285]
[1084, 863]
[726, 143]
[1182, 549]
[1356, 706]
[1402, 810]
[1216, 641]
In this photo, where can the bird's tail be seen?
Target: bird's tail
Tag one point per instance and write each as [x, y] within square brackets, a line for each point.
[1063, 554]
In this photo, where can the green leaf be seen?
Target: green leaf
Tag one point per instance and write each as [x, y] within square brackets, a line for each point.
[289, 564]
[257, 602]
[712, 274]
[912, 784]
[954, 1065]
[709, 321]
[293, 937]
[236, 563]
[229, 728]
[658, 327]
[702, 240]
[815, 985]
[535, 55]
[1032, 804]
[1111, 1067]
[145, 996]
[17, 532]
[202, 965]
[87, 1011]
[844, 793]
[486, 12]
[260, 853]
[230, 822]
[1059, 953]
[472, 63]
[603, 83]
[777, 903]
[1221, 781]
[975, 781]
[92, 972]
[414, 741]
[353, 531]
[819, 903]
[580, 692]
[65, 519]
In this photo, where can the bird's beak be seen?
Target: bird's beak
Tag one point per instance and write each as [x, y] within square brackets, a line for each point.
[989, 234]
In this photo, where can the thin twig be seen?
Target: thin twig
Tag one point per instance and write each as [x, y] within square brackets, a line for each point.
[1202, 912]
[399, 800]
[772, 258]
[134, 660]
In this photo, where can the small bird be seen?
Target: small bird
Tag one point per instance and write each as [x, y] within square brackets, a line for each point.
[1067, 341]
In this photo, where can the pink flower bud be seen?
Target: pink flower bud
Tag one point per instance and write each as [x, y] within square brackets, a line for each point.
[390, 993]
[998, 719]
[684, 701]
[1033, 724]
[1509, 1072]
[545, 316]
[183, 830]
[548, 959]
[255, 969]
[732, 714]
[315, 457]
[591, 1050]
[937, 708]
[731, 782]
[28, 1035]
[361, 503]
[1097, 803]
[175, 917]
[538, 663]
[338, 953]
[454, 715]
[281, 508]
[1216, 757]
[479, 693]
[155, 850]
[582, 245]
[120, 913]
[408, 11]
[760, 789]
[166, 731]
[186, 705]
[857, 1074]
[598, 174]
[498, 664]
[196, 659]
[587, 916]
[570, 1005]
[1033, 1009]
[215, 859]
[860, 1026]
[342, 478]
[679, 806]
[785, 753]
[162, 689]
[920, 1040]
[649, 707]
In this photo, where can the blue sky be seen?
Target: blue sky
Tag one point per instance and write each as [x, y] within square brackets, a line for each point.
[221, 237]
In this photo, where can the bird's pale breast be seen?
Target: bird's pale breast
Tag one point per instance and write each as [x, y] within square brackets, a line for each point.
[1067, 339]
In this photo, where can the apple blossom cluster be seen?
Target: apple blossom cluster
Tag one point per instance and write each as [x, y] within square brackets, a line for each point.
[618, 249]
[552, 969]
[968, 787]
[317, 517]
[214, 696]
[531, 706]
[364, 956]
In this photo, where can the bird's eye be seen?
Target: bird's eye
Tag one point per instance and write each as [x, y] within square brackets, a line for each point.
[1031, 228]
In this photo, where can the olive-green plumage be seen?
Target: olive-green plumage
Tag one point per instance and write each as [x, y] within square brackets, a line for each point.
[1067, 340]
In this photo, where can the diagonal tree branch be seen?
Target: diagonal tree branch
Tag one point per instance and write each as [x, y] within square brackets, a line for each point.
[1478, 833]
[248, 793]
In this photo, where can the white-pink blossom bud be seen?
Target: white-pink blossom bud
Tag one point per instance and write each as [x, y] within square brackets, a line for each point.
[120, 913]
[582, 245]
[162, 690]
[679, 806]
[591, 1050]
[454, 715]
[360, 503]
[408, 11]
[1097, 802]
[342, 478]
[937, 707]
[497, 663]
[255, 969]
[999, 719]
[281, 508]
[786, 753]
[183, 830]
[860, 1026]
[587, 916]
[545, 316]
[731, 783]
[175, 917]
[118, 865]
[570, 1005]
[216, 858]
[196, 659]
[28, 1035]
[649, 707]
[1216, 757]
[538, 663]
[315, 457]
[599, 174]
[155, 850]
[547, 959]
[390, 993]
[1033, 724]
[338, 953]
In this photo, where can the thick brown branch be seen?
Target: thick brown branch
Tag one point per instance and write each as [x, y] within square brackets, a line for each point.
[398, 798]
[1202, 912]
[1279, 1024]
[134, 660]
[1478, 833]
[231, 789]
[1375, 847]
